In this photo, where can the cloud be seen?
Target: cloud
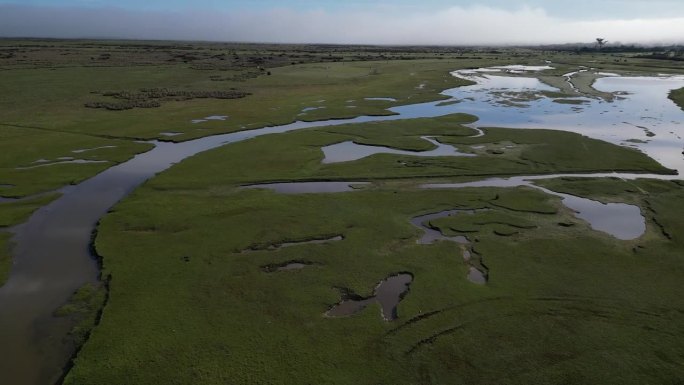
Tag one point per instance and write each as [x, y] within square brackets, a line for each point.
[454, 25]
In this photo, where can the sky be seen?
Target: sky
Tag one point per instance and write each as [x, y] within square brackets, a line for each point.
[439, 22]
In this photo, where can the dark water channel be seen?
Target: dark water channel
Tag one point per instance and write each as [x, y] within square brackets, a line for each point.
[52, 255]
[477, 272]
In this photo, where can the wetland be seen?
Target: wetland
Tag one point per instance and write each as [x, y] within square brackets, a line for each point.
[471, 203]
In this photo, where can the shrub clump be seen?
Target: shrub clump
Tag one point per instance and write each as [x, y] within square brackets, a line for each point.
[153, 97]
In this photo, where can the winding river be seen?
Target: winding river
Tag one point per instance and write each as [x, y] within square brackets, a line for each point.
[52, 256]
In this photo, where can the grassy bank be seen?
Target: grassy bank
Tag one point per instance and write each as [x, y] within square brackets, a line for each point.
[677, 96]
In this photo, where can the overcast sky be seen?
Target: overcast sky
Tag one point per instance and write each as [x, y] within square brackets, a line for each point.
[351, 21]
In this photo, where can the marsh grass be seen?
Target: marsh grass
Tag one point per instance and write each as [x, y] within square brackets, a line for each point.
[153, 97]
[677, 96]
[84, 309]
[558, 292]
[554, 292]
[297, 155]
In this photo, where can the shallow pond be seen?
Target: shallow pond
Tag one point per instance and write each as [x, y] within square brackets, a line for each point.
[388, 293]
[350, 151]
[431, 235]
[287, 266]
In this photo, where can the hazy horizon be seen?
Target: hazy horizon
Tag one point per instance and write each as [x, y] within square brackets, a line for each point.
[430, 22]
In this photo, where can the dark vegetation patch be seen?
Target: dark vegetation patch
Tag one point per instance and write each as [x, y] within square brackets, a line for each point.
[153, 97]
[83, 309]
[673, 55]
[570, 101]
[516, 200]
[296, 242]
[29, 53]
[238, 77]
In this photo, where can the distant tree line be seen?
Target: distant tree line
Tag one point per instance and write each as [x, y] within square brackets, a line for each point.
[669, 50]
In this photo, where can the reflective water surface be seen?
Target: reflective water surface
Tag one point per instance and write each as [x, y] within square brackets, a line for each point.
[388, 294]
[349, 151]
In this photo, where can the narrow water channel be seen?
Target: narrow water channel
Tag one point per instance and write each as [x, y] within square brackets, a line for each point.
[621, 220]
[52, 255]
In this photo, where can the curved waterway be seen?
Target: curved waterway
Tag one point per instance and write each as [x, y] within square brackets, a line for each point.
[477, 271]
[621, 220]
[52, 255]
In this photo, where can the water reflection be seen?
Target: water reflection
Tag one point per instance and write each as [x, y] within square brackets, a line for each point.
[642, 102]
